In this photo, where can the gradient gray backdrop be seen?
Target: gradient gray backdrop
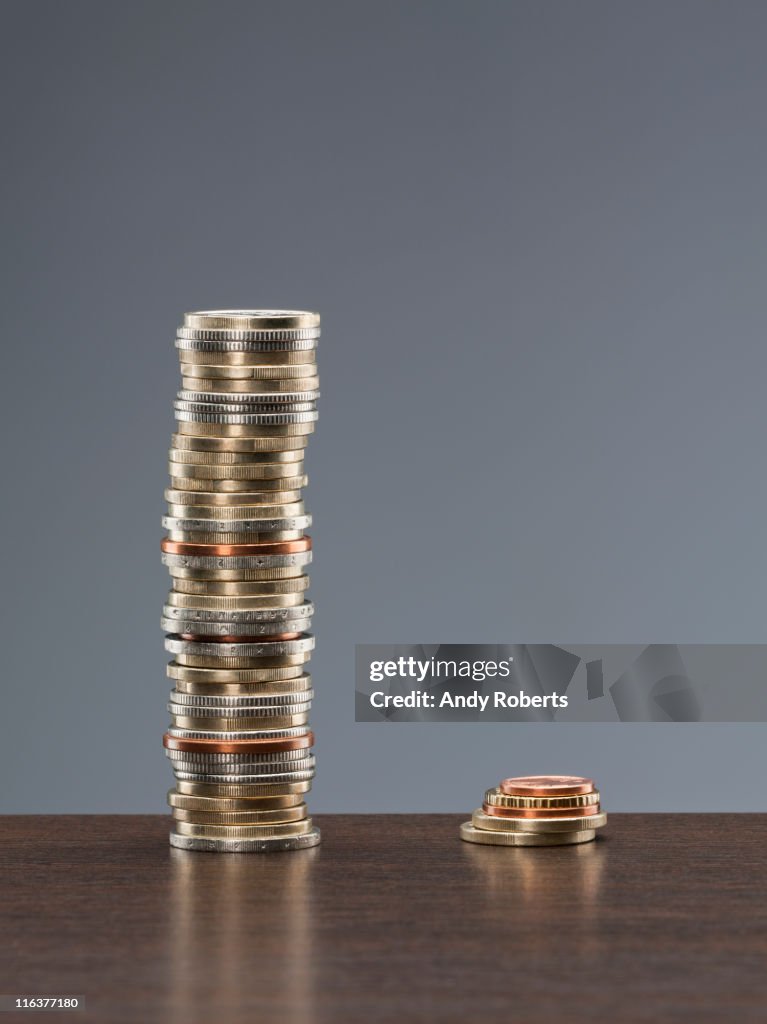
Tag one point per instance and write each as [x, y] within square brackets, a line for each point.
[537, 235]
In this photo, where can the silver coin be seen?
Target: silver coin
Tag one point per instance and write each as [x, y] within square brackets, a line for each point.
[237, 525]
[255, 408]
[292, 760]
[232, 334]
[243, 629]
[253, 771]
[244, 774]
[247, 419]
[226, 704]
[270, 344]
[297, 560]
[250, 710]
[269, 844]
[242, 779]
[268, 649]
[232, 736]
[298, 611]
[237, 398]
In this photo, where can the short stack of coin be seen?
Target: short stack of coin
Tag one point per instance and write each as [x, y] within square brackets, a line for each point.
[237, 616]
[537, 810]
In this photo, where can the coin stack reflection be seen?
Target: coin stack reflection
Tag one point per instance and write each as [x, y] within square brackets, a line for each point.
[237, 616]
[537, 810]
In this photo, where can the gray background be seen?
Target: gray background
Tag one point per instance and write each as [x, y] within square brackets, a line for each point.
[536, 234]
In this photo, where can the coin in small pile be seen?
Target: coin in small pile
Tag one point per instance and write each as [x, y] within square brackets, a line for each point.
[537, 810]
[237, 617]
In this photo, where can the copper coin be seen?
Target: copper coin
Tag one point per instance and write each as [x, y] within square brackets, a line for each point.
[238, 746]
[271, 638]
[537, 812]
[546, 785]
[285, 547]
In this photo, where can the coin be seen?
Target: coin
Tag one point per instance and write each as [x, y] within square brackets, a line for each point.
[234, 602]
[247, 778]
[296, 828]
[291, 372]
[225, 550]
[238, 445]
[263, 816]
[252, 319]
[251, 385]
[281, 843]
[239, 471]
[495, 798]
[240, 399]
[195, 723]
[236, 458]
[223, 488]
[205, 426]
[540, 813]
[182, 801]
[289, 700]
[237, 746]
[246, 413]
[270, 615]
[238, 511]
[293, 586]
[546, 785]
[288, 675]
[240, 791]
[470, 834]
[279, 358]
[277, 688]
[241, 700]
[505, 824]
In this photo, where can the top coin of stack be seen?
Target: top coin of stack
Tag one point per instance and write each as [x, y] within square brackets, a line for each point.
[537, 810]
[237, 616]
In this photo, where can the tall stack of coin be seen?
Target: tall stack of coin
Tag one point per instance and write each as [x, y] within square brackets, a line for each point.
[237, 615]
[537, 810]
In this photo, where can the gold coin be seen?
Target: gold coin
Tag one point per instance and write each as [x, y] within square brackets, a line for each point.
[495, 798]
[215, 458]
[279, 358]
[250, 471]
[236, 510]
[280, 485]
[192, 443]
[293, 371]
[241, 791]
[294, 671]
[275, 689]
[294, 586]
[252, 320]
[226, 500]
[249, 386]
[255, 431]
[235, 603]
[470, 834]
[265, 816]
[491, 823]
[222, 803]
[241, 661]
[235, 575]
[294, 828]
[239, 724]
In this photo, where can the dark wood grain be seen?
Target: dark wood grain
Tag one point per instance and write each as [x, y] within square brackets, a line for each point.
[393, 918]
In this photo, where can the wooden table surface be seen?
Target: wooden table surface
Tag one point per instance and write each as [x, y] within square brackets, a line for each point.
[392, 918]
